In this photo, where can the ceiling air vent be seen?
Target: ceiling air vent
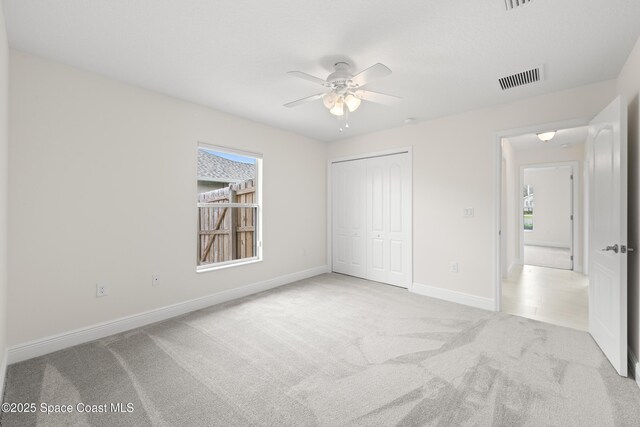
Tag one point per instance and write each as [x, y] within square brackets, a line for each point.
[520, 79]
[512, 4]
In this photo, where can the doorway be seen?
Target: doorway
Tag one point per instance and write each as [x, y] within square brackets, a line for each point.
[603, 230]
[547, 232]
[543, 228]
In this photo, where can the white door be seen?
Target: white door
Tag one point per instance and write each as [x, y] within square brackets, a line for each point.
[371, 217]
[608, 232]
[377, 202]
[388, 219]
[348, 190]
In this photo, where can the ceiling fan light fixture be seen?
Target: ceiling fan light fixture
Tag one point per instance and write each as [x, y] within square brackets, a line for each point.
[338, 108]
[329, 99]
[546, 136]
[352, 102]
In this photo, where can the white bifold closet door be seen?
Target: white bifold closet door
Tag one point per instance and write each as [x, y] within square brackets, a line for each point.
[349, 222]
[372, 218]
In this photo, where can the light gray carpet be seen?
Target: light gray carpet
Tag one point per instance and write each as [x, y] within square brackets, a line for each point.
[333, 350]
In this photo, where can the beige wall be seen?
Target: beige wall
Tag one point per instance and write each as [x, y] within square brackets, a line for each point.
[4, 125]
[83, 150]
[629, 85]
[455, 167]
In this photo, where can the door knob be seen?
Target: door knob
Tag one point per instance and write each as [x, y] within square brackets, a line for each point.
[625, 249]
[613, 248]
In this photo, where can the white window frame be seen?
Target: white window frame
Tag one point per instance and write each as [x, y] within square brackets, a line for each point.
[257, 206]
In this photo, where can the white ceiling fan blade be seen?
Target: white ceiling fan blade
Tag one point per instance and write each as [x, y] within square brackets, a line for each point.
[307, 77]
[372, 73]
[378, 98]
[304, 100]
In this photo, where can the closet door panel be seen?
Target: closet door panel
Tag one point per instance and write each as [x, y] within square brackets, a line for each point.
[348, 210]
[399, 178]
[356, 195]
[339, 219]
[377, 219]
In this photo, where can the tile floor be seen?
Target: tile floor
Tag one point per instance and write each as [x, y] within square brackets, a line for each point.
[547, 294]
[544, 256]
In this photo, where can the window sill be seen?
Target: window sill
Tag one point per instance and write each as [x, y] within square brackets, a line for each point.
[228, 264]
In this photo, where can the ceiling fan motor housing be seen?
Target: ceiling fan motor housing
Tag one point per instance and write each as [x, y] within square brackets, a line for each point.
[340, 80]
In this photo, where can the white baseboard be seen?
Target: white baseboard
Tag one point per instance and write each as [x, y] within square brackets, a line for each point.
[57, 342]
[454, 296]
[3, 373]
[634, 367]
[548, 244]
[514, 264]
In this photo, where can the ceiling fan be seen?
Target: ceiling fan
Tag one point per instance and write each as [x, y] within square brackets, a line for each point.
[343, 89]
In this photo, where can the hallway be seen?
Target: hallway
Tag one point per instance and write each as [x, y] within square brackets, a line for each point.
[547, 294]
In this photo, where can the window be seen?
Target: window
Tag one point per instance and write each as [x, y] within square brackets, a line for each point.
[527, 198]
[229, 211]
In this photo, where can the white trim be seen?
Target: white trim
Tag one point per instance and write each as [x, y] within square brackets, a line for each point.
[229, 150]
[57, 342]
[559, 245]
[453, 296]
[329, 230]
[381, 153]
[3, 372]
[226, 264]
[228, 205]
[497, 188]
[497, 222]
[514, 264]
[634, 366]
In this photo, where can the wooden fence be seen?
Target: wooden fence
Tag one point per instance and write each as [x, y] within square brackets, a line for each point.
[226, 234]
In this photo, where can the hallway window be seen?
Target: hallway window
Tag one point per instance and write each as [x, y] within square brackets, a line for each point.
[528, 207]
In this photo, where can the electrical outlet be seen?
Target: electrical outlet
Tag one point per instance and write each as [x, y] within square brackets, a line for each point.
[155, 280]
[102, 290]
[468, 212]
[453, 267]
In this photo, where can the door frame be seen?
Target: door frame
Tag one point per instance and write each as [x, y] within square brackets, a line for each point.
[497, 190]
[361, 156]
[575, 202]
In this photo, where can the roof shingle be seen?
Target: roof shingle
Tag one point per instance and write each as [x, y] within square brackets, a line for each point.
[219, 169]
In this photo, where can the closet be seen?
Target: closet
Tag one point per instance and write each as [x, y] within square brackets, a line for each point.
[371, 218]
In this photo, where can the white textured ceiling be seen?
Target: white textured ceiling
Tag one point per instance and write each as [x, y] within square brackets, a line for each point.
[232, 55]
[562, 138]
